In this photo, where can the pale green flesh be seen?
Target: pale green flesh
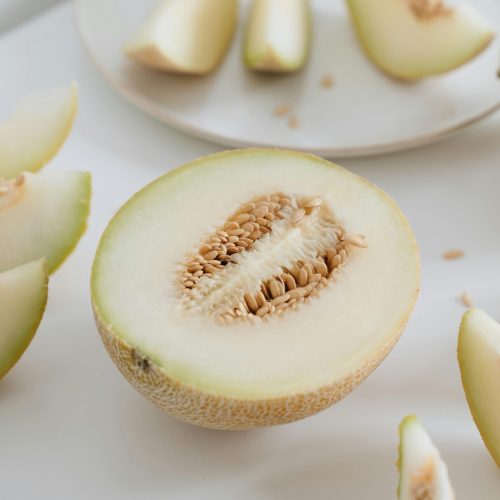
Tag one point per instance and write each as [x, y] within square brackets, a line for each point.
[278, 35]
[422, 472]
[479, 359]
[135, 292]
[45, 220]
[185, 36]
[411, 48]
[36, 130]
[23, 295]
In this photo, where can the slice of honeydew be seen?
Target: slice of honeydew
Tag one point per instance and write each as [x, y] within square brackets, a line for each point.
[185, 36]
[42, 215]
[413, 39]
[479, 360]
[278, 35]
[196, 344]
[23, 295]
[36, 130]
[422, 473]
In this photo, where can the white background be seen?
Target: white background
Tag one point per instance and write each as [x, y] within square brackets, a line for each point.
[72, 428]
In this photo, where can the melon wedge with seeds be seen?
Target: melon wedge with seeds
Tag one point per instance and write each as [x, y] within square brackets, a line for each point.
[36, 130]
[23, 296]
[42, 215]
[253, 287]
[423, 475]
[184, 36]
[414, 39]
[479, 360]
[278, 35]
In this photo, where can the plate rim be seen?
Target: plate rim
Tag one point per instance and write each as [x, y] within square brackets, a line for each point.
[165, 116]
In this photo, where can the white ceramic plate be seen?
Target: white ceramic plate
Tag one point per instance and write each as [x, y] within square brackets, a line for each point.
[364, 113]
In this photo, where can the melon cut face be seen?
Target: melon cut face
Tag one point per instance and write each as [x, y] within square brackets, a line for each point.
[479, 360]
[253, 287]
[278, 35]
[36, 130]
[23, 295]
[413, 39]
[423, 474]
[42, 215]
[185, 36]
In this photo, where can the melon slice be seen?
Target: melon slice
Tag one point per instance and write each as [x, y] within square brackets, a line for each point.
[42, 215]
[36, 130]
[413, 39]
[185, 36]
[23, 295]
[423, 474]
[479, 360]
[278, 35]
[253, 287]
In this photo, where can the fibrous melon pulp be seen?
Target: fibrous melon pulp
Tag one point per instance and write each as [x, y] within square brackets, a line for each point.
[254, 287]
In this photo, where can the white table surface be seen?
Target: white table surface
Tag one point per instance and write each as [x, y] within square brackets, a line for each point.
[72, 428]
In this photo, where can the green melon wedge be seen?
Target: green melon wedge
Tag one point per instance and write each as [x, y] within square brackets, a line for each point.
[23, 295]
[479, 360]
[42, 215]
[422, 473]
[412, 39]
[36, 130]
[278, 35]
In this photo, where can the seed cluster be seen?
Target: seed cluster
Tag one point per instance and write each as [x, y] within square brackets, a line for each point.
[293, 285]
[10, 190]
[428, 9]
[239, 233]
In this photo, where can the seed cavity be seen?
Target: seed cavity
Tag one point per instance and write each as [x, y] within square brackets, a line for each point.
[274, 253]
[429, 9]
[11, 190]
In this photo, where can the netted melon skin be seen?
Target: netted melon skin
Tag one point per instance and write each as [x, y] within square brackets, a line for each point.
[218, 412]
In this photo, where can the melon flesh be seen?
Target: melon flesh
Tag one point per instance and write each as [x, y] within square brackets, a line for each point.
[278, 35]
[412, 39]
[185, 36]
[43, 217]
[479, 360]
[332, 342]
[36, 130]
[23, 295]
[423, 474]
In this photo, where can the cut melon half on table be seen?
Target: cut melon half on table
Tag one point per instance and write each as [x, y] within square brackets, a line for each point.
[278, 35]
[253, 287]
[36, 130]
[423, 475]
[185, 36]
[42, 215]
[23, 296]
[413, 39]
[479, 360]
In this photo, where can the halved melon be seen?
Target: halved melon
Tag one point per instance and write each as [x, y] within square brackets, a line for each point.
[253, 287]
[413, 39]
[278, 35]
[479, 360]
[23, 295]
[42, 215]
[423, 474]
[185, 36]
[36, 130]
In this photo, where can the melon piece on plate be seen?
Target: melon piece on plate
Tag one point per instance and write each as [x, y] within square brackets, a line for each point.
[278, 35]
[36, 130]
[253, 287]
[422, 473]
[185, 36]
[413, 39]
[479, 360]
[42, 215]
[23, 295]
